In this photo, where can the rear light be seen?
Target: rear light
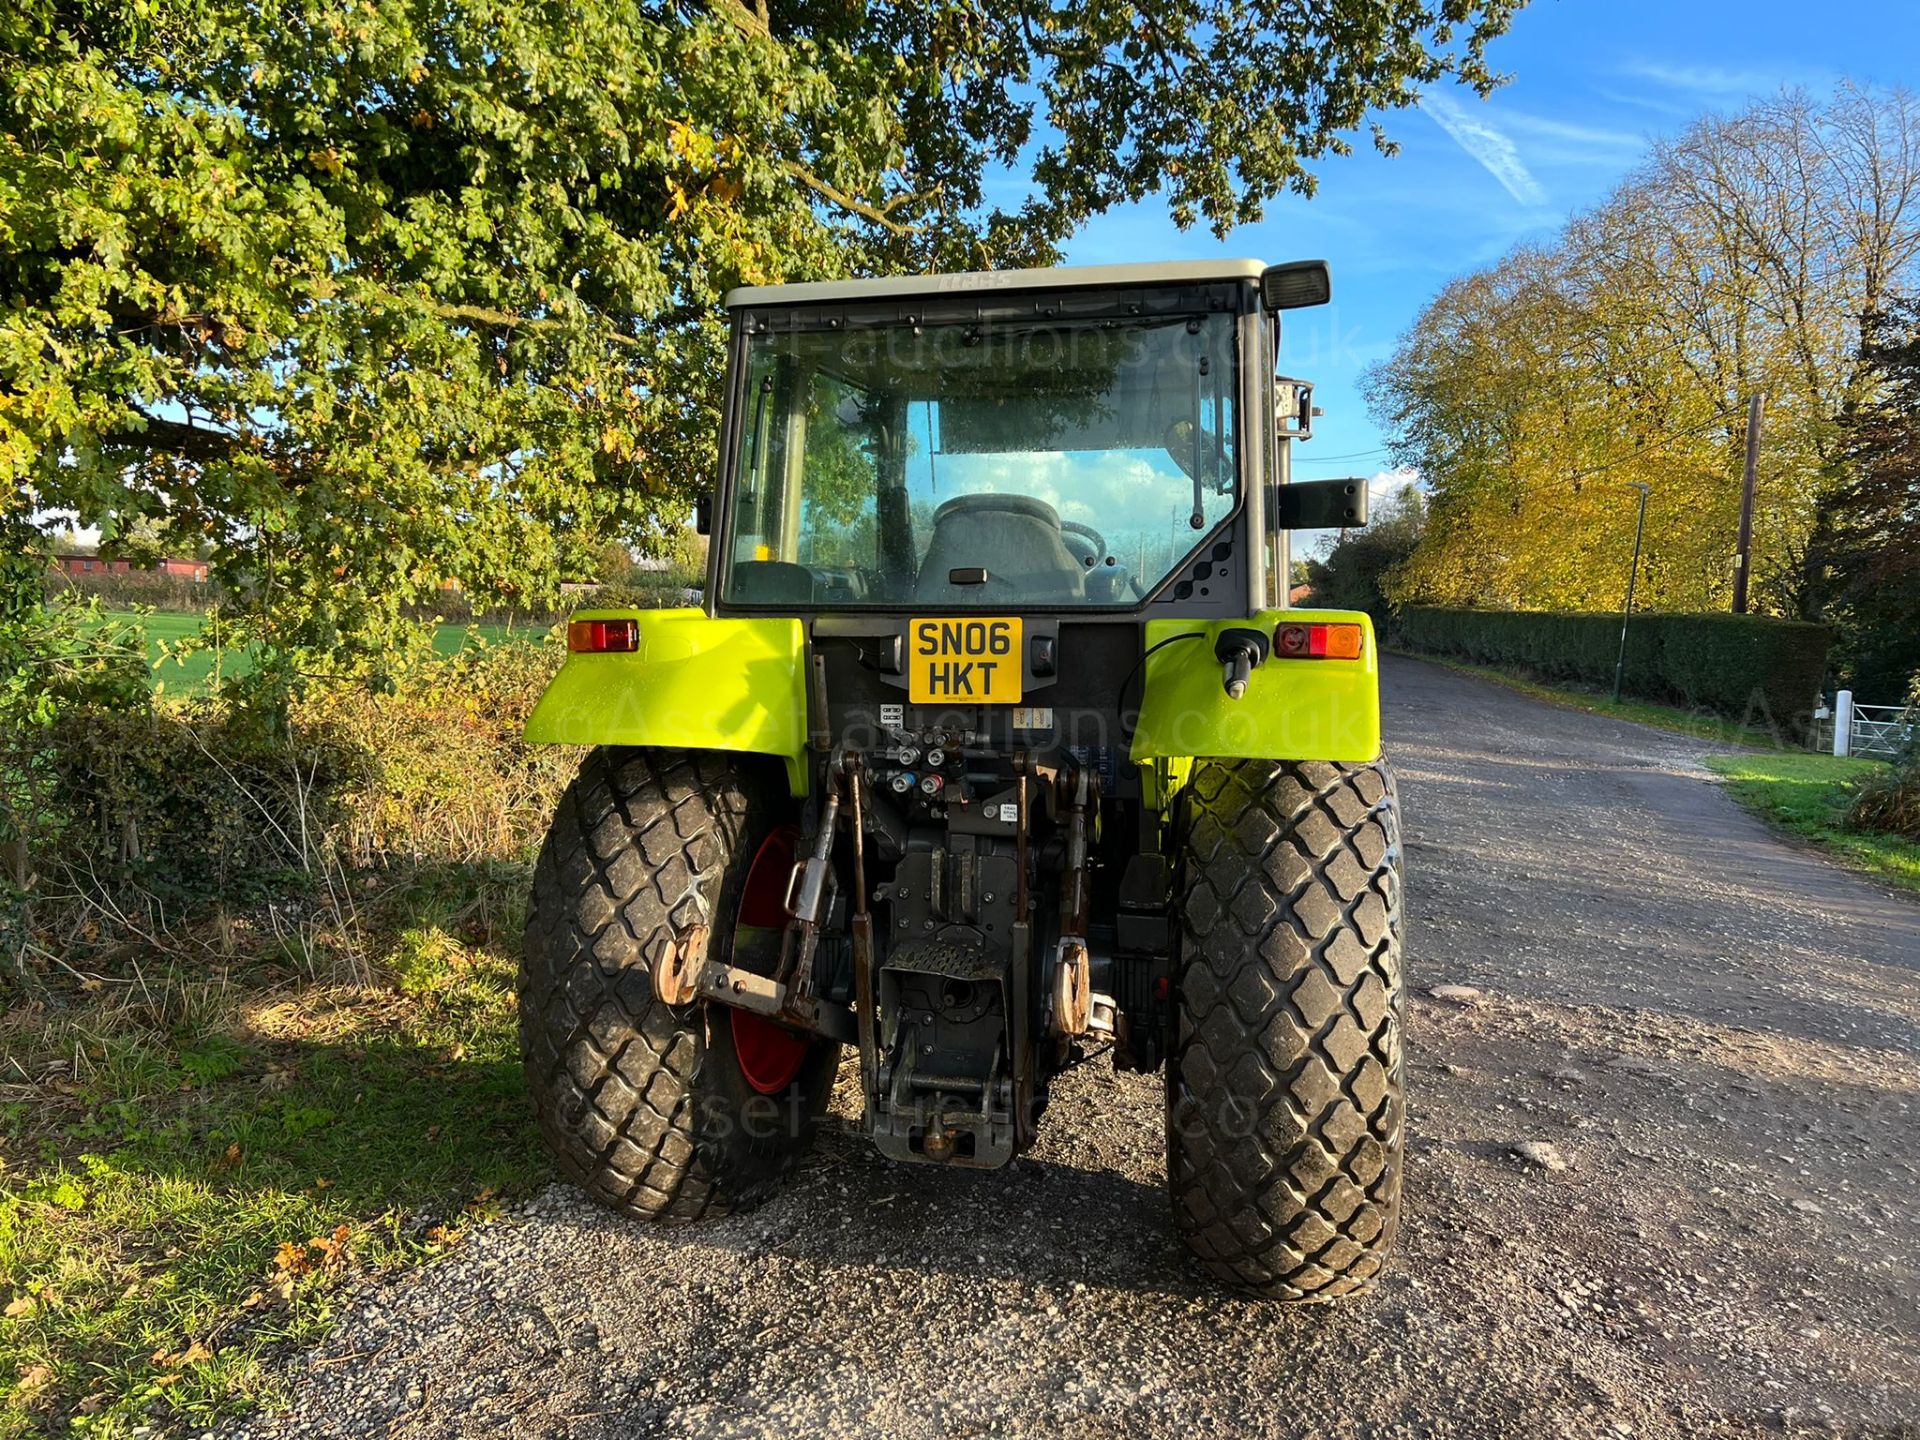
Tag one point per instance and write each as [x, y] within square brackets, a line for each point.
[602, 637]
[1318, 642]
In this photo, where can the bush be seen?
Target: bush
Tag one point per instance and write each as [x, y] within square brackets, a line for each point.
[1752, 670]
[442, 773]
[147, 814]
[1890, 801]
[123, 590]
[1356, 572]
[182, 806]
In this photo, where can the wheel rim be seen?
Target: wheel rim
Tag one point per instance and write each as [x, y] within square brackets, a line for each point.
[770, 1055]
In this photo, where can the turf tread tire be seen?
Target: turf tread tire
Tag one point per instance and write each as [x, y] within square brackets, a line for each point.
[1285, 1084]
[642, 1103]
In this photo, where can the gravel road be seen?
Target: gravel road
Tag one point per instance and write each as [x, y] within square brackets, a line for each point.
[1665, 1158]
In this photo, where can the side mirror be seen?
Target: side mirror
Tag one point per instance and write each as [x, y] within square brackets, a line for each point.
[1296, 284]
[703, 513]
[1319, 505]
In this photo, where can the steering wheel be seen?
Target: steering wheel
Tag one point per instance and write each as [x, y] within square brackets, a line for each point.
[1087, 532]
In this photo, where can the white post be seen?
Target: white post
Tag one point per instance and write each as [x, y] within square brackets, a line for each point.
[1843, 723]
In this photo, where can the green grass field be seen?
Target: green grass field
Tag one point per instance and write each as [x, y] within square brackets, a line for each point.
[1808, 795]
[195, 674]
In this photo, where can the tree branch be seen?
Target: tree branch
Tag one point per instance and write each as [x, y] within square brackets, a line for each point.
[506, 320]
[847, 202]
[749, 22]
[194, 442]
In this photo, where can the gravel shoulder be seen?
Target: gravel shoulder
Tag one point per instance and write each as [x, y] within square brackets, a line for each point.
[1666, 1147]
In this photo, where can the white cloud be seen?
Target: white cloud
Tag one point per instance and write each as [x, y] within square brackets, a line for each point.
[1707, 79]
[1559, 142]
[1562, 130]
[1647, 102]
[1389, 483]
[1488, 146]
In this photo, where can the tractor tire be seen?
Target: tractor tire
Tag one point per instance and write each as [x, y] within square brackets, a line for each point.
[648, 1107]
[1285, 1107]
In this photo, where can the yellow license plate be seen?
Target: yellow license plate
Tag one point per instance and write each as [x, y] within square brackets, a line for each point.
[963, 662]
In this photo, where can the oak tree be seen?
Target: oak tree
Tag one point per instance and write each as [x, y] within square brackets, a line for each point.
[368, 294]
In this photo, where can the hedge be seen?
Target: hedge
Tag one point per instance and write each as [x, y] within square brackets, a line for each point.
[1758, 672]
[152, 812]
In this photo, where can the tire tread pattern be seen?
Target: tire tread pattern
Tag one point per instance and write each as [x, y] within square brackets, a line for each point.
[635, 856]
[1285, 1086]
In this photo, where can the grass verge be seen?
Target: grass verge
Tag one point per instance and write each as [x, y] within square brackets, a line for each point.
[196, 673]
[1701, 724]
[1809, 796]
[195, 1153]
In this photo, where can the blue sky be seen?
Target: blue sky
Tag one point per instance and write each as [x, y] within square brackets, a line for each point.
[1593, 81]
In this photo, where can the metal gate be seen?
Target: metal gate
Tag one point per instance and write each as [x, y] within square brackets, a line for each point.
[1879, 732]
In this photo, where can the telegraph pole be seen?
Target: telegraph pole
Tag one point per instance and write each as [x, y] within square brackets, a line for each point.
[1743, 562]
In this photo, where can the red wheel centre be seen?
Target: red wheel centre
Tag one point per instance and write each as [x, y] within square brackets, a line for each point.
[770, 1055]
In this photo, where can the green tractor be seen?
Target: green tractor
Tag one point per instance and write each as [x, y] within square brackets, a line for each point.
[994, 745]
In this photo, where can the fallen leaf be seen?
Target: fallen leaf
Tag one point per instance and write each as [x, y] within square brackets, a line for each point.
[92, 1404]
[16, 1308]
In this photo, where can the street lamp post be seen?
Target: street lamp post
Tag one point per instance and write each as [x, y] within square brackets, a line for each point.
[1633, 574]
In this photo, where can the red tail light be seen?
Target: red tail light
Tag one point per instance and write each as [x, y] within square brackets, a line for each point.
[1318, 642]
[602, 637]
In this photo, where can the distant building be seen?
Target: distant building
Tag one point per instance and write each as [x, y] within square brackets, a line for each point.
[1300, 595]
[86, 563]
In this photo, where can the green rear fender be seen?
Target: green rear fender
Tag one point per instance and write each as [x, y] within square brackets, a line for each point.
[697, 683]
[694, 683]
[1293, 709]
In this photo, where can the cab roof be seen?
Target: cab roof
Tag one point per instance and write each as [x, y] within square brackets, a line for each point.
[1063, 277]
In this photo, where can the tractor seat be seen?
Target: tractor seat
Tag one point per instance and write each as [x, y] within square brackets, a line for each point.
[1016, 537]
[772, 582]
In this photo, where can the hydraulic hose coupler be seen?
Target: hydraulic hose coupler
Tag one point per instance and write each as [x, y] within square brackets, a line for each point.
[1240, 652]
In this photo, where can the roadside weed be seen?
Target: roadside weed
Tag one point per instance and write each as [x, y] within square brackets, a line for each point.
[192, 1164]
